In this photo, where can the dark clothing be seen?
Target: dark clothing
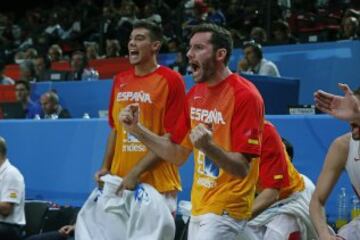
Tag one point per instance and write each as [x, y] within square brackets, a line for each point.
[61, 113]
[10, 231]
[54, 235]
[32, 109]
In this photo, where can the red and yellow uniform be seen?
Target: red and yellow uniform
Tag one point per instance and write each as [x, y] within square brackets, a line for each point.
[276, 170]
[234, 111]
[161, 96]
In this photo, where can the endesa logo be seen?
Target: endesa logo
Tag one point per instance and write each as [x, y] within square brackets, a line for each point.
[134, 96]
[207, 116]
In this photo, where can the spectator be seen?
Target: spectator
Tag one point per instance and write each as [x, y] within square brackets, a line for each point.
[215, 14]
[80, 69]
[180, 65]
[349, 28]
[42, 66]
[51, 106]
[254, 62]
[12, 198]
[27, 71]
[92, 50]
[282, 35]
[4, 80]
[151, 15]
[30, 54]
[258, 35]
[22, 93]
[55, 52]
[112, 48]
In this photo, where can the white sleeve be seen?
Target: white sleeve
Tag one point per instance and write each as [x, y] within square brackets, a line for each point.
[12, 189]
[269, 69]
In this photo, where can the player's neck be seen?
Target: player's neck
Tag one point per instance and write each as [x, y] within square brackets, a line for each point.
[220, 74]
[146, 68]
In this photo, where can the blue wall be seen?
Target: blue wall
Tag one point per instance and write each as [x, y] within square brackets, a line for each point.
[59, 157]
[317, 65]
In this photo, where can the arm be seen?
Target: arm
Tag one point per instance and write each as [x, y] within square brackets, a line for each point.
[109, 153]
[264, 200]
[131, 179]
[6, 208]
[345, 108]
[162, 146]
[334, 164]
[234, 163]
[67, 230]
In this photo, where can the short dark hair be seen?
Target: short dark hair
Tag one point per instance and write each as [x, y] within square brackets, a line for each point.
[23, 82]
[289, 148]
[256, 47]
[220, 38]
[3, 148]
[156, 32]
[83, 56]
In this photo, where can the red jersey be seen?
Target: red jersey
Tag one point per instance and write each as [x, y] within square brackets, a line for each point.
[234, 111]
[161, 96]
[276, 170]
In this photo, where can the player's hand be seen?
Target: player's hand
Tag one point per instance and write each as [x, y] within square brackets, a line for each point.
[201, 136]
[67, 230]
[129, 117]
[243, 65]
[342, 107]
[99, 174]
[129, 182]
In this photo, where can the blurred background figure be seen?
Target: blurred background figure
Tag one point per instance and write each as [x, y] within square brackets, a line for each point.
[254, 62]
[51, 107]
[27, 71]
[23, 93]
[349, 28]
[112, 48]
[258, 35]
[80, 69]
[55, 53]
[4, 80]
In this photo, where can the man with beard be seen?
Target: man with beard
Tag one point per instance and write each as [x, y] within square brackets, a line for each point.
[160, 94]
[222, 123]
[343, 154]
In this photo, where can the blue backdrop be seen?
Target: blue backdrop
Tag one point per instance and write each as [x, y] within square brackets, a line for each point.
[59, 157]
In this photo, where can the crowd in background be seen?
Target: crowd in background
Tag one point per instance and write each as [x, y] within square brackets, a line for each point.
[101, 27]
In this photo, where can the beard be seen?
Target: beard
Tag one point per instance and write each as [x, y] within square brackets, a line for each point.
[208, 69]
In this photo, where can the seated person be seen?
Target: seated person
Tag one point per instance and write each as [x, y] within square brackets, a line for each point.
[254, 62]
[64, 233]
[283, 194]
[22, 93]
[80, 69]
[4, 80]
[343, 154]
[51, 106]
[12, 198]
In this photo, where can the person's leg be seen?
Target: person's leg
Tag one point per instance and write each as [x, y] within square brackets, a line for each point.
[351, 231]
[212, 227]
[281, 227]
[9, 232]
[54, 235]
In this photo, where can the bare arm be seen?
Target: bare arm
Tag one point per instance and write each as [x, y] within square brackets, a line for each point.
[333, 166]
[265, 199]
[131, 179]
[6, 208]
[108, 156]
[234, 163]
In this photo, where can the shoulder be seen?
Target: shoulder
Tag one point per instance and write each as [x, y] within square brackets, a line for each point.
[169, 74]
[244, 90]
[14, 175]
[342, 142]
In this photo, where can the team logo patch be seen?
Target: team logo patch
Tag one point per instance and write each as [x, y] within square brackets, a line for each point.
[279, 176]
[13, 195]
[253, 141]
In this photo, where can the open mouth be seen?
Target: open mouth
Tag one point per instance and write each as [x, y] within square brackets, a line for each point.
[133, 53]
[194, 67]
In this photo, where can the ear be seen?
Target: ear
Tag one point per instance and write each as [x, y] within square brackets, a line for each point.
[221, 54]
[156, 45]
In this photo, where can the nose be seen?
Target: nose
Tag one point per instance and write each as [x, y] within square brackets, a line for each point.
[189, 54]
